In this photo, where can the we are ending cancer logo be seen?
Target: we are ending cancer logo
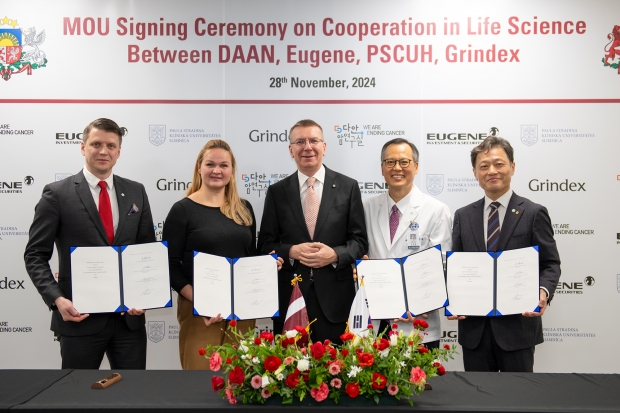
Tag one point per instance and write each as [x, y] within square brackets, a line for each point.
[19, 49]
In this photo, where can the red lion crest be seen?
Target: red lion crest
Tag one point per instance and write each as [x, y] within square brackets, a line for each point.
[613, 47]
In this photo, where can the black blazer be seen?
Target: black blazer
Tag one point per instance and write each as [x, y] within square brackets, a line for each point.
[67, 216]
[531, 226]
[340, 225]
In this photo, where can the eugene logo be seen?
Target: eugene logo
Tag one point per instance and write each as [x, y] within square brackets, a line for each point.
[63, 138]
[546, 186]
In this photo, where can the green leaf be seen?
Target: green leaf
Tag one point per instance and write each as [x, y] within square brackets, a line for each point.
[376, 399]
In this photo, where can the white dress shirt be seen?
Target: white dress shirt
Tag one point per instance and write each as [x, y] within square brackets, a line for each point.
[93, 183]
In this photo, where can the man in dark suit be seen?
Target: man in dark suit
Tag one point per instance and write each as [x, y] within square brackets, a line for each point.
[314, 220]
[91, 208]
[503, 220]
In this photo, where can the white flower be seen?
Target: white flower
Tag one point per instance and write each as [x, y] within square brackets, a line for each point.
[244, 356]
[357, 340]
[265, 381]
[255, 360]
[279, 376]
[291, 333]
[407, 353]
[279, 370]
[354, 370]
[303, 365]
[243, 347]
[384, 353]
[393, 340]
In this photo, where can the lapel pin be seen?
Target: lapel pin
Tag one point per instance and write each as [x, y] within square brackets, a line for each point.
[124, 195]
[517, 212]
[334, 185]
[513, 210]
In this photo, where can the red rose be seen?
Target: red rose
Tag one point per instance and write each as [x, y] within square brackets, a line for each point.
[378, 381]
[236, 376]
[394, 326]
[365, 359]
[381, 344]
[267, 336]
[228, 360]
[292, 379]
[288, 342]
[410, 343]
[422, 350]
[441, 370]
[318, 350]
[326, 342]
[257, 341]
[446, 346]
[272, 363]
[344, 352]
[346, 336]
[420, 324]
[352, 390]
[369, 326]
[202, 351]
[332, 352]
[217, 383]
[300, 330]
[233, 323]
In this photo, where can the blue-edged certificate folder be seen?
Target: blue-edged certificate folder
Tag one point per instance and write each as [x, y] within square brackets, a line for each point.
[111, 279]
[493, 284]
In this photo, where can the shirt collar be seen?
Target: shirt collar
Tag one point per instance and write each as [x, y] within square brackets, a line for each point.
[319, 175]
[93, 181]
[503, 200]
[402, 204]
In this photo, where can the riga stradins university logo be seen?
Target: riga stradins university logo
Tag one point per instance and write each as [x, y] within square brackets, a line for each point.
[157, 134]
[156, 331]
[612, 49]
[19, 49]
[529, 134]
[434, 183]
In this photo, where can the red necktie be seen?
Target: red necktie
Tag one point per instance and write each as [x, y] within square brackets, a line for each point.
[105, 210]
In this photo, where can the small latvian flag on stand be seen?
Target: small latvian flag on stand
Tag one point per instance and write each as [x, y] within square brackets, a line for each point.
[297, 315]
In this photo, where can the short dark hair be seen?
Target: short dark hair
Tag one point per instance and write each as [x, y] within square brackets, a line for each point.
[303, 124]
[398, 141]
[107, 125]
[492, 142]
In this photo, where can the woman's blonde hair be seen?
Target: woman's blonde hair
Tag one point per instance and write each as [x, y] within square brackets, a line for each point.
[234, 208]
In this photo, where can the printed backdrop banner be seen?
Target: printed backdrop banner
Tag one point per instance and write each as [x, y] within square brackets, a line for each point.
[443, 74]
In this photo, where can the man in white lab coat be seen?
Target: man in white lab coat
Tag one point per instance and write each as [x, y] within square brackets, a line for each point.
[405, 221]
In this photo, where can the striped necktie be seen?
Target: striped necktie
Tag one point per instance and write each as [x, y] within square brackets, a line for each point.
[493, 227]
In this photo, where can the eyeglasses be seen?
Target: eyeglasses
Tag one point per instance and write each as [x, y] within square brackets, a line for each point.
[303, 142]
[390, 163]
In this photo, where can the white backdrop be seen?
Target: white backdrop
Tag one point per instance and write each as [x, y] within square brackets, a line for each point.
[556, 104]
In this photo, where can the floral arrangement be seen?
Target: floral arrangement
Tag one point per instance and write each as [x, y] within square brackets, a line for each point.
[267, 365]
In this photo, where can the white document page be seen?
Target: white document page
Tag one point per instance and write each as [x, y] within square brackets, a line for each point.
[212, 290]
[95, 280]
[255, 287]
[384, 288]
[146, 279]
[470, 283]
[517, 281]
[425, 282]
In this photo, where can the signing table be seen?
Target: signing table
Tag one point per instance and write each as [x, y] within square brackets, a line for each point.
[46, 391]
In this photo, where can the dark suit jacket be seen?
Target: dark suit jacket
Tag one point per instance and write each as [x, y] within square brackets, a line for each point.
[531, 226]
[340, 225]
[67, 215]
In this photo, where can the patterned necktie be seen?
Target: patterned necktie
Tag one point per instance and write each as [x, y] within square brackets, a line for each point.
[493, 227]
[394, 219]
[312, 206]
[105, 210]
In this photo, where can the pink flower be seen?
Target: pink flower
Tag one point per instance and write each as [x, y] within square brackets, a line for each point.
[230, 396]
[392, 389]
[289, 360]
[266, 393]
[337, 383]
[257, 381]
[321, 393]
[418, 377]
[334, 368]
[215, 362]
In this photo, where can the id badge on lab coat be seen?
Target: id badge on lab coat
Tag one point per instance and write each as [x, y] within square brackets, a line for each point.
[413, 236]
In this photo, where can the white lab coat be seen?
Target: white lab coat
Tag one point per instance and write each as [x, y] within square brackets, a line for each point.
[435, 227]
